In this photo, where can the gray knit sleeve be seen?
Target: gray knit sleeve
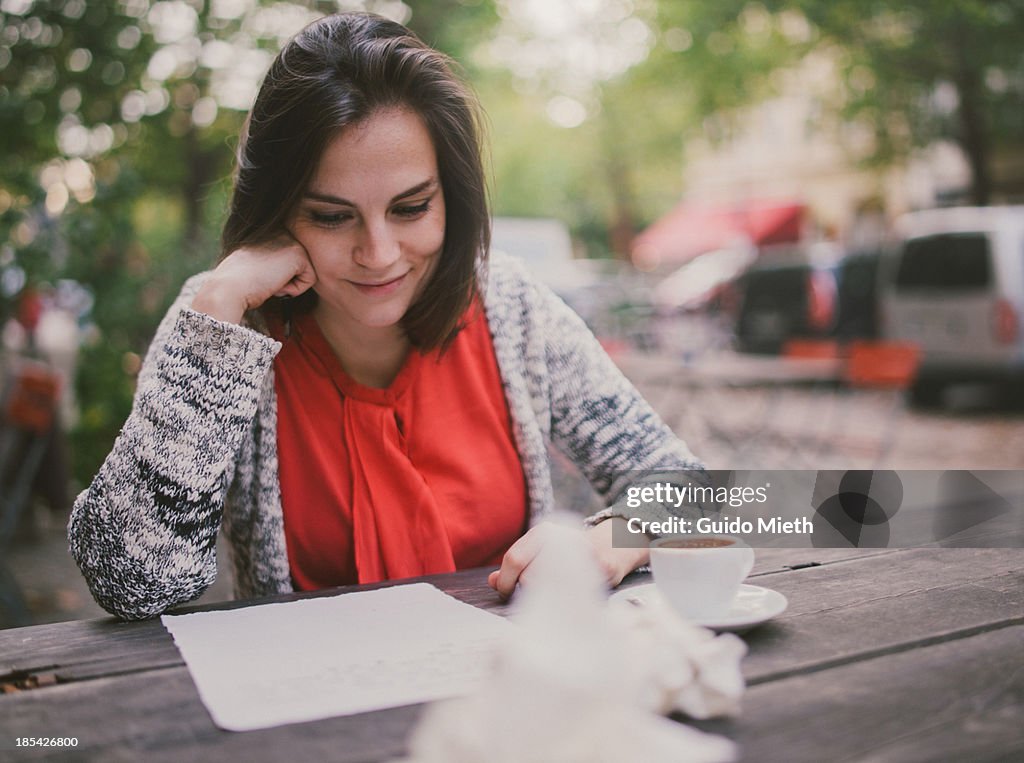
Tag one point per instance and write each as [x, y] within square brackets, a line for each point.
[144, 532]
[598, 417]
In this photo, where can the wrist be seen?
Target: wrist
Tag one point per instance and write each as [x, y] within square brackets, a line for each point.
[219, 302]
[624, 558]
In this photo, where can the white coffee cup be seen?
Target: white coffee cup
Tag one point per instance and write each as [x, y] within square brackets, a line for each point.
[700, 575]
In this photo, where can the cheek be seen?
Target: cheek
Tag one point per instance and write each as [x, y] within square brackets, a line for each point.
[326, 251]
[433, 238]
[307, 237]
[433, 244]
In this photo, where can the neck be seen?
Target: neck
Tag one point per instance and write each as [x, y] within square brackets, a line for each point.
[371, 355]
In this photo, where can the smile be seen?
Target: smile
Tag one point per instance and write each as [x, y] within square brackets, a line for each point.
[380, 289]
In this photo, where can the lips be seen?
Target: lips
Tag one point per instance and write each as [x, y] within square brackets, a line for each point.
[382, 288]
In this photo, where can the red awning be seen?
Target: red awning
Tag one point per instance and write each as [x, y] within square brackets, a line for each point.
[691, 229]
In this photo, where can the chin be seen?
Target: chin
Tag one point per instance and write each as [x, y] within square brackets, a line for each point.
[383, 319]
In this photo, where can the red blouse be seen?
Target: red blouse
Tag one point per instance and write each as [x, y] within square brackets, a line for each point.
[380, 484]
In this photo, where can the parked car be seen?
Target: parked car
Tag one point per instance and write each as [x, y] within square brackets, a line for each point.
[789, 294]
[857, 310]
[955, 287]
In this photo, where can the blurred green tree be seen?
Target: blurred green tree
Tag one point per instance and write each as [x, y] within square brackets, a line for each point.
[614, 89]
[66, 193]
[921, 70]
[705, 62]
[118, 122]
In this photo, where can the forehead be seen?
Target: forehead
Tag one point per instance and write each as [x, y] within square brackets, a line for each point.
[390, 147]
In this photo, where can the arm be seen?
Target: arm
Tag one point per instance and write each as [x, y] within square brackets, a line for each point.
[144, 532]
[600, 420]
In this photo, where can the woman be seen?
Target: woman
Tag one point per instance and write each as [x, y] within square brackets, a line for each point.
[346, 391]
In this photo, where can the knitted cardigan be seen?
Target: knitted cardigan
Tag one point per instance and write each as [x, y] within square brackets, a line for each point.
[198, 452]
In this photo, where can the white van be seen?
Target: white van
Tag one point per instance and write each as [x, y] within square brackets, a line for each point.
[954, 285]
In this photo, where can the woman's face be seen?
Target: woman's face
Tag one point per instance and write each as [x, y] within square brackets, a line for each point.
[373, 220]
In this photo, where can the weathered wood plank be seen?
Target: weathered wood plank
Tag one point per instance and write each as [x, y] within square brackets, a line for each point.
[778, 560]
[849, 610]
[962, 700]
[159, 716]
[895, 586]
[87, 649]
[875, 603]
[91, 648]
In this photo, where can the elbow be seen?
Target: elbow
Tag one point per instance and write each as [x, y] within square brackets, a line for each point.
[126, 607]
[135, 569]
[132, 587]
[131, 592]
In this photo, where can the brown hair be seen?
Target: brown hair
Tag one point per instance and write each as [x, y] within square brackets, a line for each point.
[336, 73]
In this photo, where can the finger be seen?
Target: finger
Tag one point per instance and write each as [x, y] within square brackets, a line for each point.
[304, 276]
[614, 563]
[608, 563]
[515, 561]
[295, 287]
[307, 277]
[524, 578]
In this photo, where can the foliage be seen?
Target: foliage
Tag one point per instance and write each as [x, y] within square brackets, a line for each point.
[921, 70]
[118, 120]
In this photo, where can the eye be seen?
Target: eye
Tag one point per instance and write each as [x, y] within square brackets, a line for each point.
[412, 211]
[329, 219]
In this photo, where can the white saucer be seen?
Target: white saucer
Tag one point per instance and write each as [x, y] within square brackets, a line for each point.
[752, 606]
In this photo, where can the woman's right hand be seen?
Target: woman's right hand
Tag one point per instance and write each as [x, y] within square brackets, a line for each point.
[251, 275]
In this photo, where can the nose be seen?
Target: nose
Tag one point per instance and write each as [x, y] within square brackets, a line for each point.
[377, 248]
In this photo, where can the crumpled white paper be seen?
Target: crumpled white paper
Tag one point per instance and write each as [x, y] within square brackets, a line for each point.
[582, 680]
[679, 666]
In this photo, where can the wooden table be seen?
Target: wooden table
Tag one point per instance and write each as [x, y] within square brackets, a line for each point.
[883, 655]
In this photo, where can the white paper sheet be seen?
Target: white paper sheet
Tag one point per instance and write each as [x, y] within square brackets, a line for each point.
[285, 663]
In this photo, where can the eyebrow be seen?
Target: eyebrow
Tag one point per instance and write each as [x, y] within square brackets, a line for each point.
[418, 188]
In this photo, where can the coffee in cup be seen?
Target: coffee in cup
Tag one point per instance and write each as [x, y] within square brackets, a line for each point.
[700, 575]
[699, 543]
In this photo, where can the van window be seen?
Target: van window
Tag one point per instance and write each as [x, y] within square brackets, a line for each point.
[950, 261]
